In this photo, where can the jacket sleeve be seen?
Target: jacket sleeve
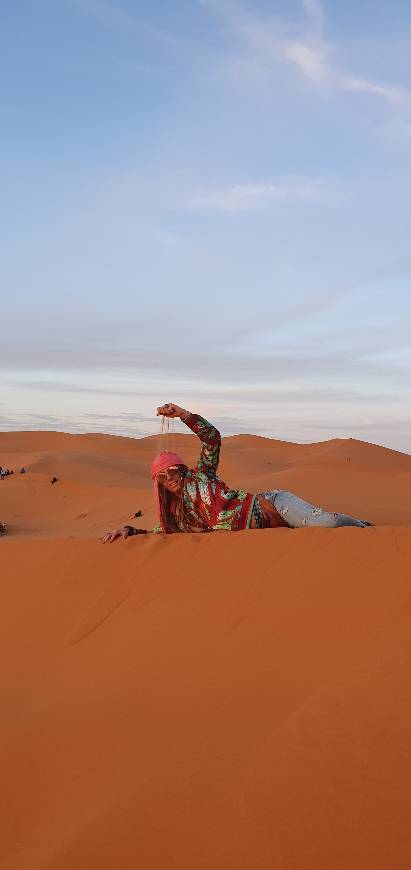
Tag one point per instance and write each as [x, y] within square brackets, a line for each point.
[210, 440]
[133, 531]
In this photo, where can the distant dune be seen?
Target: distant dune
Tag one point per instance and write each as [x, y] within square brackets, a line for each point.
[190, 702]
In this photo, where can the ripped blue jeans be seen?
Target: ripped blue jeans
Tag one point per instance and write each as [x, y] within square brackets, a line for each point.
[298, 513]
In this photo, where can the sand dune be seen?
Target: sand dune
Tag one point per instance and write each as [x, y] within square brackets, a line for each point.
[103, 479]
[230, 701]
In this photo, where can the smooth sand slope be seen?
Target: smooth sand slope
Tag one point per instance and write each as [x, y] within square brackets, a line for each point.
[232, 701]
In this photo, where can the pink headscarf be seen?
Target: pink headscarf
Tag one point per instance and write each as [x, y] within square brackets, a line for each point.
[161, 463]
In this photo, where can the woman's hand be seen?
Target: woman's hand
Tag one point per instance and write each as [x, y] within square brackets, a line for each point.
[109, 537]
[171, 410]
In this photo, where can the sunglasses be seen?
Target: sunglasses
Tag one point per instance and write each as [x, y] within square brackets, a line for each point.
[172, 473]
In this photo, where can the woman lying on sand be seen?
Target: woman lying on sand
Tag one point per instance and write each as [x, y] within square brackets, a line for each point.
[196, 500]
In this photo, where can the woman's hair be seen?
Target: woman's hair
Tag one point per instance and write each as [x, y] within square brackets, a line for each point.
[171, 507]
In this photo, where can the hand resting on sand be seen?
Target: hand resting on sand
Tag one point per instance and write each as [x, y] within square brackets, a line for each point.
[124, 533]
[109, 537]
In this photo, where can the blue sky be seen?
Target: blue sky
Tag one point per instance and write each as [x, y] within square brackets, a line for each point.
[207, 202]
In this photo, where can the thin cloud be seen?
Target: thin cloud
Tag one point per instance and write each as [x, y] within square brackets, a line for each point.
[396, 96]
[64, 387]
[193, 366]
[271, 40]
[286, 395]
[309, 59]
[250, 197]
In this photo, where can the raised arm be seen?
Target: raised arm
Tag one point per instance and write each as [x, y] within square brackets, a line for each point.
[209, 436]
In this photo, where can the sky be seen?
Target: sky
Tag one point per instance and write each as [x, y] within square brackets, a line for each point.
[206, 202]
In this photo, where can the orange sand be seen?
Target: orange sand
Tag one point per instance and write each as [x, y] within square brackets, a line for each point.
[231, 701]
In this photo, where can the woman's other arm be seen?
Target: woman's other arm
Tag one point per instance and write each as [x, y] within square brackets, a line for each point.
[172, 410]
[125, 532]
[209, 436]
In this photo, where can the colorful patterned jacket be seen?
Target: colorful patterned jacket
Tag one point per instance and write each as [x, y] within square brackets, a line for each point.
[209, 505]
